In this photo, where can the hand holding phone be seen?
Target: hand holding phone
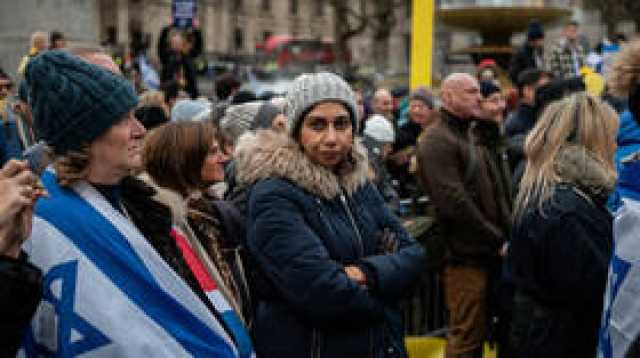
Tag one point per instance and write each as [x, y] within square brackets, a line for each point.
[38, 157]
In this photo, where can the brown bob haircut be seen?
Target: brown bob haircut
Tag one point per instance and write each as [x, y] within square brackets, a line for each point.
[175, 152]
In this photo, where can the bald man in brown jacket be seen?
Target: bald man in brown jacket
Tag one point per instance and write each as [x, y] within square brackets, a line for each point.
[466, 176]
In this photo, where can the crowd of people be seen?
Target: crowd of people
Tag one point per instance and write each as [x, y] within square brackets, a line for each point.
[157, 222]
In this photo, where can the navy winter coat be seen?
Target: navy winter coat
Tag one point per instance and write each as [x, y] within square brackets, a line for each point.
[304, 225]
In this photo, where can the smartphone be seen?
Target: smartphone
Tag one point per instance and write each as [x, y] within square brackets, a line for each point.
[38, 156]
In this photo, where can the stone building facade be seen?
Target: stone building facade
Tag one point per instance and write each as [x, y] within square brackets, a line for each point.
[18, 19]
[236, 26]
[232, 27]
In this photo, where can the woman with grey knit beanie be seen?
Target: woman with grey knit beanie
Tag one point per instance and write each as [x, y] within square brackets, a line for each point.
[331, 261]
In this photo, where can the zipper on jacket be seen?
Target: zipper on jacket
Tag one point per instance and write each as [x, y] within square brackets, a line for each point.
[360, 244]
[315, 343]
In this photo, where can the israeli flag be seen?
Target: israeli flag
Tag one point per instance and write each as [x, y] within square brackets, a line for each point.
[621, 314]
[107, 293]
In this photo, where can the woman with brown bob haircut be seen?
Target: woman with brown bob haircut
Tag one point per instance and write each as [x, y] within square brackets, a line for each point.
[184, 159]
[175, 153]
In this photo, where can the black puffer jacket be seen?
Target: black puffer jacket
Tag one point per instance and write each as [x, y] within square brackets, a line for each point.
[559, 262]
[20, 293]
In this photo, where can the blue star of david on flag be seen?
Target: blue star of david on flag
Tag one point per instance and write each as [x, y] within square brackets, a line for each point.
[74, 334]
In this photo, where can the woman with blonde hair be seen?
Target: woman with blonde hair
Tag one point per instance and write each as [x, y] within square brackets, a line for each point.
[39, 43]
[562, 237]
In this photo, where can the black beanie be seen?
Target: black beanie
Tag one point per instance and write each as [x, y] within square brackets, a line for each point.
[266, 114]
[487, 88]
[535, 30]
[244, 97]
[73, 101]
[151, 116]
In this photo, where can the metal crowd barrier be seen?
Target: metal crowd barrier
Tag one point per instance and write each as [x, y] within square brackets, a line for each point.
[425, 312]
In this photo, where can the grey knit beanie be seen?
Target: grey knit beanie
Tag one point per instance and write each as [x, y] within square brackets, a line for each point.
[239, 118]
[310, 89]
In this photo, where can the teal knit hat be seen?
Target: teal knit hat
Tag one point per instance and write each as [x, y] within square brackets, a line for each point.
[74, 102]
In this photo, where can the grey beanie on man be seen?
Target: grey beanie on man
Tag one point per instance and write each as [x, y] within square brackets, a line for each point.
[310, 89]
[239, 118]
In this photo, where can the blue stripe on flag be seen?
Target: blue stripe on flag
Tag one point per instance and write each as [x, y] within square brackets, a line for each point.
[620, 269]
[245, 348]
[109, 250]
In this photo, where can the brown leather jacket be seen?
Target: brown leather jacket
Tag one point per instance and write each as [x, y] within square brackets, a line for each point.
[469, 188]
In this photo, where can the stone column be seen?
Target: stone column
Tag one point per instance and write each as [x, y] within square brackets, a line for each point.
[77, 19]
[123, 23]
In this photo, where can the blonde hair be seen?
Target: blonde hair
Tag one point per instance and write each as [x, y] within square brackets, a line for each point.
[39, 40]
[580, 120]
[625, 72]
[72, 167]
[151, 98]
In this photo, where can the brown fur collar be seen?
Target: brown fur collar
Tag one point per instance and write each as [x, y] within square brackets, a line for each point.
[576, 165]
[266, 154]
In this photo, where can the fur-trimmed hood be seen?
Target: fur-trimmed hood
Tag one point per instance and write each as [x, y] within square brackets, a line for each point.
[269, 154]
[576, 165]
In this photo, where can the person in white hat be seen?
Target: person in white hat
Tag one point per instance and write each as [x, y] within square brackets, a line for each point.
[378, 138]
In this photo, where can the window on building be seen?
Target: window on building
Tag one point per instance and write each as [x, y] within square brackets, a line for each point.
[238, 39]
[293, 7]
[319, 7]
[266, 5]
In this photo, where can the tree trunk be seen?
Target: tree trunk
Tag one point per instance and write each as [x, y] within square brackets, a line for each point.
[384, 20]
[341, 42]
[348, 23]
[381, 54]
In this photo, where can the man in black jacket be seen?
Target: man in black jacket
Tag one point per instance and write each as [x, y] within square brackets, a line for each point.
[520, 122]
[177, 57]
[531, 54]
[523, 119]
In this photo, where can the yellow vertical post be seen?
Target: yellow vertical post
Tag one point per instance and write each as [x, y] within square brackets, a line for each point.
[422, 25]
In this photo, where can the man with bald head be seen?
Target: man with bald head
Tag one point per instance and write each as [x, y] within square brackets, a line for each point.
[383, 104]
[463, 172]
